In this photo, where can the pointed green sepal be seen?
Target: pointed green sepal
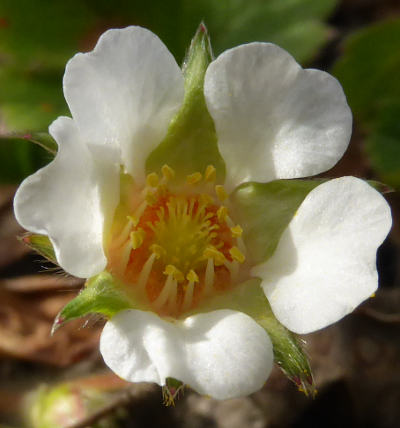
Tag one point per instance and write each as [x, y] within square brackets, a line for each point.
[172, 391]
[191, 141]
[41, 244]
[249, 298]
[101, 295]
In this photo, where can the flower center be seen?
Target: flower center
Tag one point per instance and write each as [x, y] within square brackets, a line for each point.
[175, 246]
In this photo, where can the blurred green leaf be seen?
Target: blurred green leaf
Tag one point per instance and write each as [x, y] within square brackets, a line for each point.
[30, 99]
[383, 144]
[265, 209]
[41, 32]
[369, 73]
[20, 158]
[369, 68]
[37, 38]
[295, 25]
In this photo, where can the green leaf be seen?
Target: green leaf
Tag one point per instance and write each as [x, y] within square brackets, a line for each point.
[295, 25]
[101, 295]
[20, 158]
[369, 68]
[265, 209]
[383, 144]
[369, 73]
[30, 99]
[37, 43]
[46, 32]
[41, 244]
[250, 299]
[191, 141]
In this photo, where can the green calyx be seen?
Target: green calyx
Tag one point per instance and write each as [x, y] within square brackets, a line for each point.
[101, 295]
[191, 141]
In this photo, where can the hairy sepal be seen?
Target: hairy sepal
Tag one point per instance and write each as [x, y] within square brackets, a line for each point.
[191, 141]
[101, 295]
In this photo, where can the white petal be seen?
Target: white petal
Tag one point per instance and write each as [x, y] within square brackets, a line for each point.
[125, 92]
[325, 263]
[70, 199]
[274, 119]
[223, 354]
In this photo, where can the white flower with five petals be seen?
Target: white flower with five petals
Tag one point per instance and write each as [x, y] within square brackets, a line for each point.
[175, 244]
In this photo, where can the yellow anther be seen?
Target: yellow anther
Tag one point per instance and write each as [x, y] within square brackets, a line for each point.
[237, 254]
[213, 253]
[133, 219]
[158, 250]
[175, 272]
[194, 178]
[192, 276]
[372, 295]
[151, 198]
[152, 179]
[221, 192]
[137, 237]
[210, 173]
[222, 213]
[236, 231]
[167, 172]
[206, 199]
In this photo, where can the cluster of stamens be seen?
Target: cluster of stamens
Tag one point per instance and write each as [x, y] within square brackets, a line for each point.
[179, 244]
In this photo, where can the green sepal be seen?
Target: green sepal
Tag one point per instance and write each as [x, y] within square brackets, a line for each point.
[191, 141]
[264, 210]
[172, 390]
[250, 299]
[101, 295]
[41, 244]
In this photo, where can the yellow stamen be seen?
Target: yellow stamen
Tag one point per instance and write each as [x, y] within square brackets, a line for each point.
[222, 214]
[194, 178]
[175, 272]
[152, 179]
[158, 250]
[167, 172]
[210, 174]
[236, 231]
[213, 253]
[237, 254]
[137, 237]
[221, 192]
[192, 276]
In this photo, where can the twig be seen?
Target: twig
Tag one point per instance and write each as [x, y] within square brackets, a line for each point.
[136, 394]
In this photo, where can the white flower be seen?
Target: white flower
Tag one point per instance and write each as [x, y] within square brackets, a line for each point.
[175, 244]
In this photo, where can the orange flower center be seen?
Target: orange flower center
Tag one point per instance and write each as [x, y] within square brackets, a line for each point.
[175, 246]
